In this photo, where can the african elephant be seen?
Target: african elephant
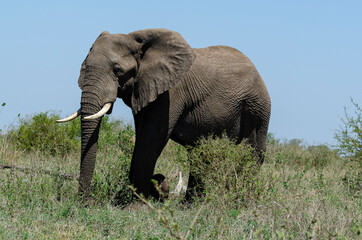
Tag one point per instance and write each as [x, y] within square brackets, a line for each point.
[174, 91]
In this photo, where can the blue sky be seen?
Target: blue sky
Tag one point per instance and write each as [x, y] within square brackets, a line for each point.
[309, 53]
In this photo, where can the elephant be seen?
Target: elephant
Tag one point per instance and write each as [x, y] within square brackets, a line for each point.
[175, 92]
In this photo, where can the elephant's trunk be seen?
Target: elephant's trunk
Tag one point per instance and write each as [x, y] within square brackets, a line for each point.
[90, 132]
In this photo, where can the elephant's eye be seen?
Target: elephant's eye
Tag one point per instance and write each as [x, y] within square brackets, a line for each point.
[117, 70]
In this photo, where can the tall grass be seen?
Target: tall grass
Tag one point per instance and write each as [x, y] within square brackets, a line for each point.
[299, 192]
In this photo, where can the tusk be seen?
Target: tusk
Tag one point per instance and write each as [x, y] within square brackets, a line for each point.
[180, 185]
[103, 111]
[71, 117]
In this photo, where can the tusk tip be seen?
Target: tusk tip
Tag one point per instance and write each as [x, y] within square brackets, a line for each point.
[71, 117]
[88, 118]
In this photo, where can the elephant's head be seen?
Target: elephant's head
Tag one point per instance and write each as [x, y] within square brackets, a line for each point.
[136, 67]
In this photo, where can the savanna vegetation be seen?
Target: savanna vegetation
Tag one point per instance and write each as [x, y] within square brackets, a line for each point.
[300, 192]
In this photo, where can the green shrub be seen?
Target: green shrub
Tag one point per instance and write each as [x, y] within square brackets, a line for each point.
[349, 135]
[110, 180]
[295, 153]
[229, 171]
[42, 133]
[115, 134]
[272, 140]
[320, 156]
[349, 144]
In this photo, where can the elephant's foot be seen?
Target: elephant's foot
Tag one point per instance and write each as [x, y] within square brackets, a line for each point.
[195, 188]
[159, 187]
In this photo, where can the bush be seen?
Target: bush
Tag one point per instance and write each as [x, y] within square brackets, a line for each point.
[42, 133]
[115, 134]
[349, 143]
[295, 153]
[272, 140]
[349, 135]
[229, 171]
[110, 180]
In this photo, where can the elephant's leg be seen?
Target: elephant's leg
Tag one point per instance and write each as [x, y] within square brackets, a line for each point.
[261, 139]
[148, 147]
[255, 130]
[195, 186]
[249, 132]
[151, 137]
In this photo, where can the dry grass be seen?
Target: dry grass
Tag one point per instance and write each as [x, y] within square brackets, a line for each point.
[303, 192]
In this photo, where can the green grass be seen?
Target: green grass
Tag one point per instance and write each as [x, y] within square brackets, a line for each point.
[300, 192]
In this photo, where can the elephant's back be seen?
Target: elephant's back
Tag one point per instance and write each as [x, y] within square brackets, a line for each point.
[230, 71]
[238, 81]
[228, 66]
[224, 56]
[221, 84]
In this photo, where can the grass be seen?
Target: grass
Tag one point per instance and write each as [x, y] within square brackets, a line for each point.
[300, 192]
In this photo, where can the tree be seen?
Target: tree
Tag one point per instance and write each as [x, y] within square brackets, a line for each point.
[349, 135]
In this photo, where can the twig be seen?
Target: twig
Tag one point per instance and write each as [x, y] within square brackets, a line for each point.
[163, 217]
[166, 221]
[146, 202]
[42, 171]
[312, 225]
[194, 221]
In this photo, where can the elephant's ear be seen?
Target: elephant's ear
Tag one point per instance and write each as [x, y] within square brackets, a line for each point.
[165, 58]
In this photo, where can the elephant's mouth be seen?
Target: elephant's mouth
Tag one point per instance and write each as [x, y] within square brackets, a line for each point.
[107, 108]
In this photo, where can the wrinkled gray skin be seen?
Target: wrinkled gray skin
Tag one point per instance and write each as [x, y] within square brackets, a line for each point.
[174, 91]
